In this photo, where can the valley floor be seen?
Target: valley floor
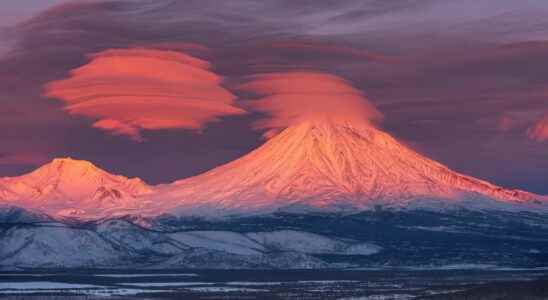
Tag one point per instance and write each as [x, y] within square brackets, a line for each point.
[374, 284]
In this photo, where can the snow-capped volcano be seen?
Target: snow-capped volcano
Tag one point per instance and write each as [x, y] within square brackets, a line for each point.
[320, 165]
[334, 166]
[68, 187]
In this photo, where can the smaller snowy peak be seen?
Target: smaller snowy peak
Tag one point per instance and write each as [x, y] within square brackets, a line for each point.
[70, 170]
[68, 187]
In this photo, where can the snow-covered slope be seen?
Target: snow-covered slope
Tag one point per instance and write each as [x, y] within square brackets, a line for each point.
[122, 244]
[68, 187]
[369, 239]
[334, 166]
[321, 165]
[56, 245]
[14, 214]
[291, 240]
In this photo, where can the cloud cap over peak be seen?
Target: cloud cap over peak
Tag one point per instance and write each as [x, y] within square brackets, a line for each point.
[294, 97]
[127, 90]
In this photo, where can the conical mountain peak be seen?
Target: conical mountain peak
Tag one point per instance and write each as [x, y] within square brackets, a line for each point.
[332, 165]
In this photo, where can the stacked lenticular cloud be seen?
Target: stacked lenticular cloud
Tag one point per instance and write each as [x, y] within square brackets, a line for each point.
[128, 90]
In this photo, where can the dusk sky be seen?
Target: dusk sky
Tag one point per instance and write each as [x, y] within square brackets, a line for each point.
[164, 90]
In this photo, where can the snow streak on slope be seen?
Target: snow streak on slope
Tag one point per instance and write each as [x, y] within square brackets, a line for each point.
[67, 187]
[332, 165]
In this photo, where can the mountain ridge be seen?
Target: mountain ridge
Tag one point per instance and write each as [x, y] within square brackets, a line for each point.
[325, 165]
[69, 187]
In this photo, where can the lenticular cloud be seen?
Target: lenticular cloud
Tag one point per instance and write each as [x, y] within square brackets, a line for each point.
[127, 90]
[294, 97]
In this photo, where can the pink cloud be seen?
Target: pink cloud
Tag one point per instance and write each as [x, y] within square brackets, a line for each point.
[118, 128]
[539, 131]
[293, 97]
[506, 123]
[127, 90]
